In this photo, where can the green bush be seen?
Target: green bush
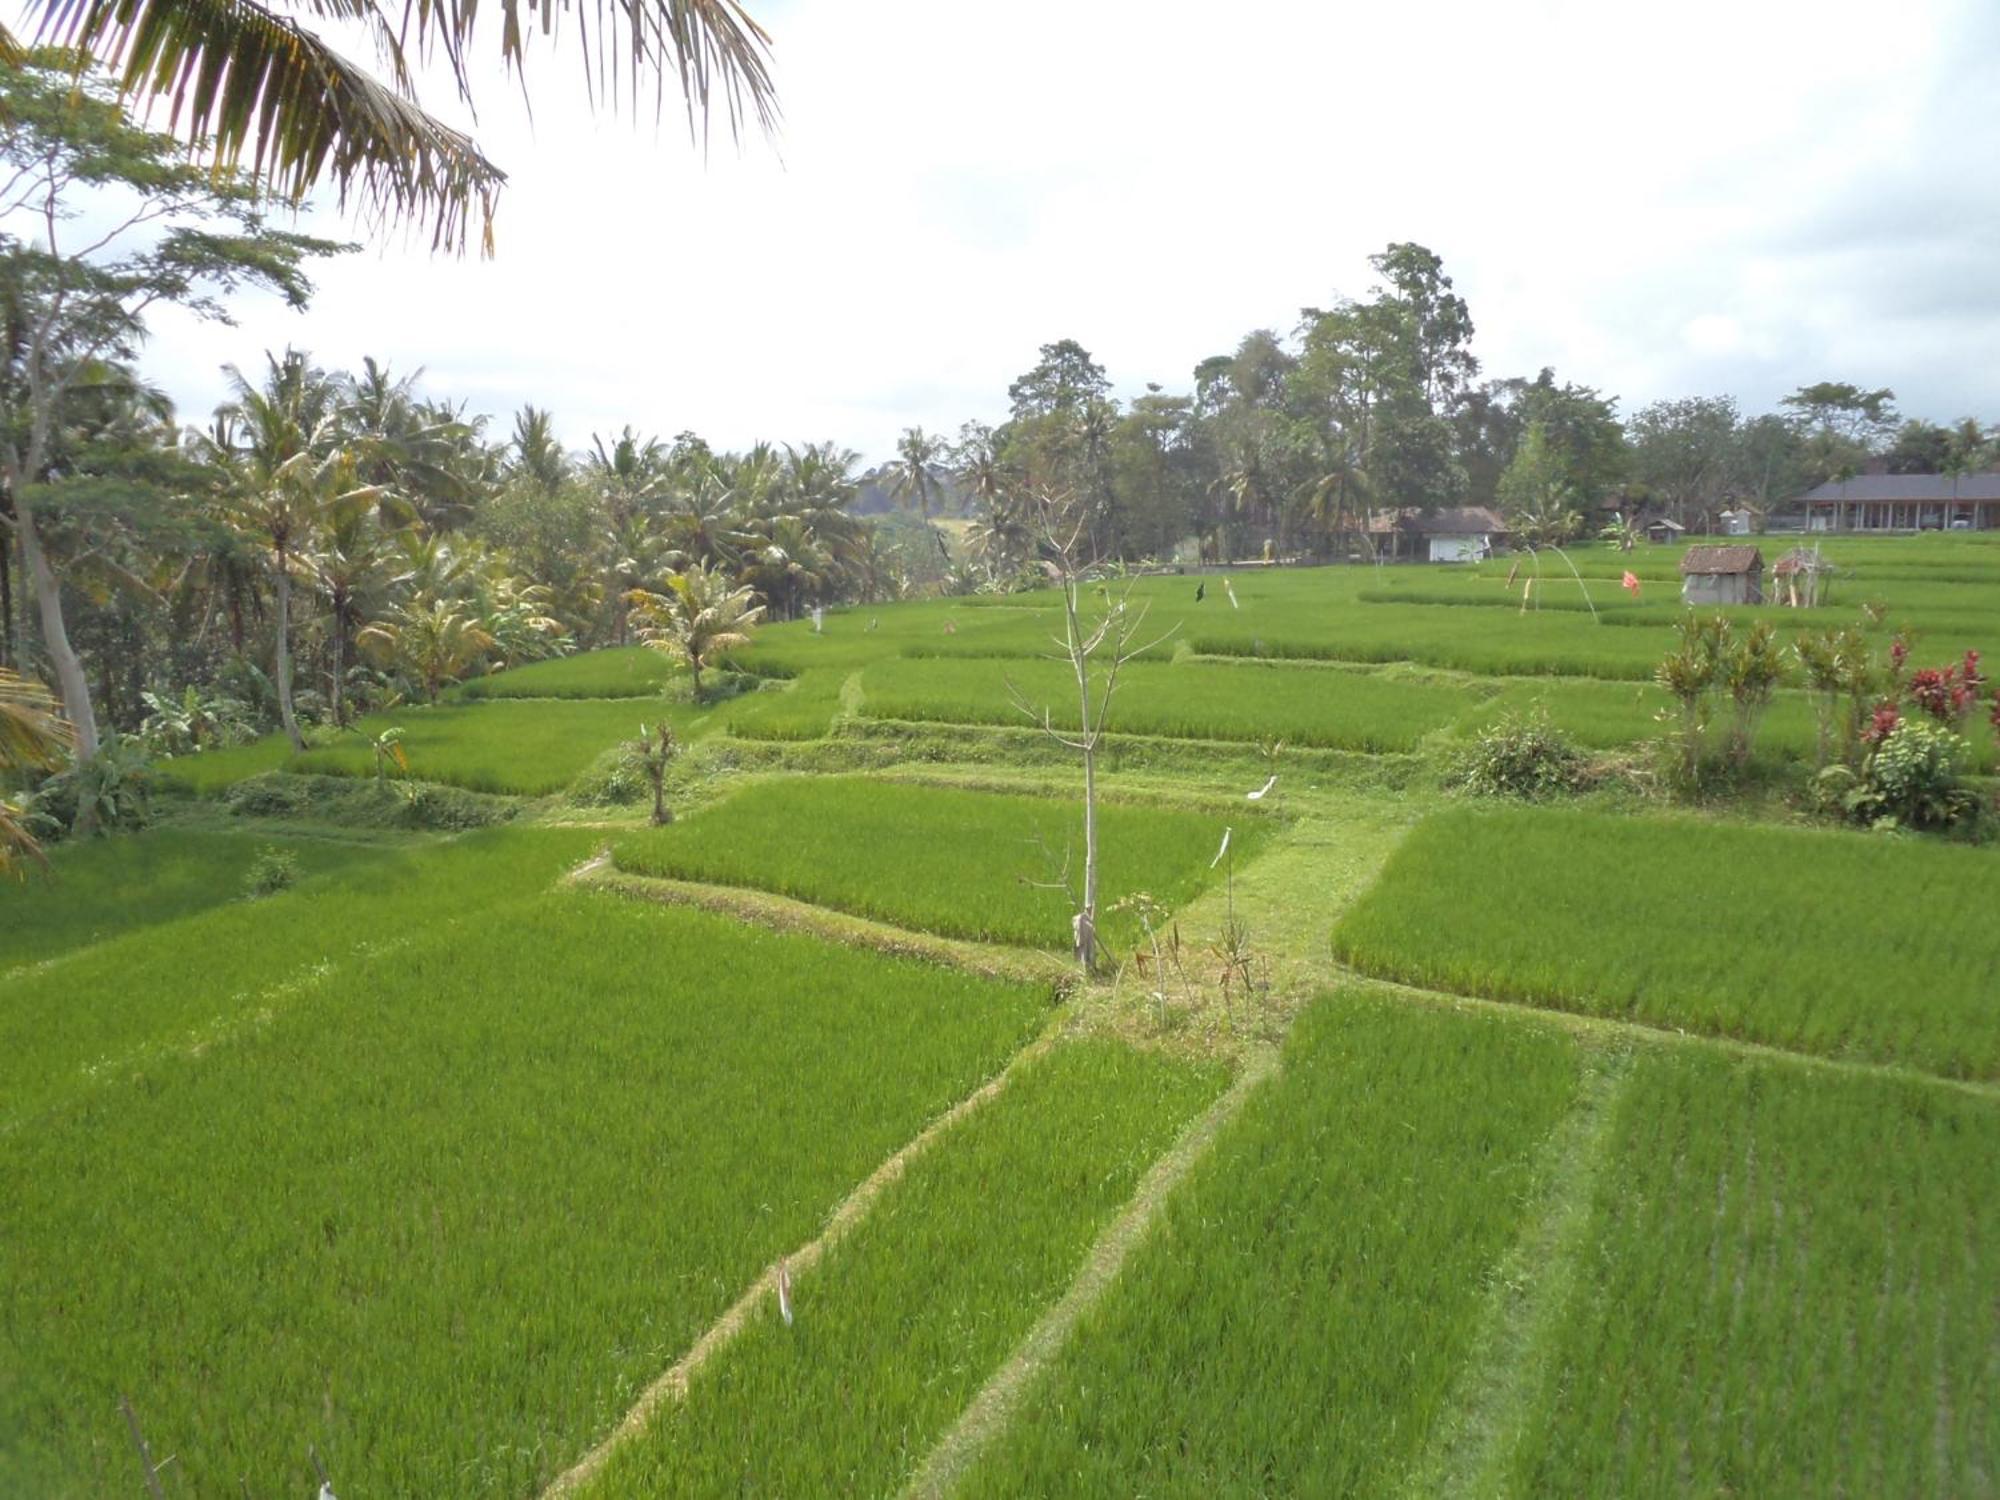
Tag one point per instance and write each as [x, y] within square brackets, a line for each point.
[1912, 780]
[1522, 755]
[617, 778]
[273, 870]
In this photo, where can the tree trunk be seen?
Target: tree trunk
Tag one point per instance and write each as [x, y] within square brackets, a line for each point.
[284, 655]
[8, 647]
[1085, 925]
[1086, 917]
[339, 660]
[70, 679]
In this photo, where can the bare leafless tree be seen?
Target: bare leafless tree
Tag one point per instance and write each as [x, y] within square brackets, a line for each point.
[1097, 647]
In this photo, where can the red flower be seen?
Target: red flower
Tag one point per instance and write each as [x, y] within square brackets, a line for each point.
[1887, 717]
[1931, 690]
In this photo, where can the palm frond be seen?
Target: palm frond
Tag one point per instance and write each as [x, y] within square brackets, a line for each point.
[31, 736]
[12, 54]
[254, 84]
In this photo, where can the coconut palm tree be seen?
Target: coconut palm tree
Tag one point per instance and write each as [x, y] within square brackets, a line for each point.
[700, 615]
[286, 477]
[430, 639]
[254, 83]
[32, 738]
[914, 476]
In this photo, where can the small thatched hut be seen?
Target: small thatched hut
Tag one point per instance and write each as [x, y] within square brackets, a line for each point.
[1722, 575]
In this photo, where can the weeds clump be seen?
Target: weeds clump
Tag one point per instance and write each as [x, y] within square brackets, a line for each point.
[617, 778]
[274, 869]
[1522, 756]
[347, 802]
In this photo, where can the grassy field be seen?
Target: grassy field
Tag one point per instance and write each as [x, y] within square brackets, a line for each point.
[960, 863]
[1300, 1318]
[101, 888]
[443, 1219]
[1791, 1292]
[905, 1318]
[1838, 943]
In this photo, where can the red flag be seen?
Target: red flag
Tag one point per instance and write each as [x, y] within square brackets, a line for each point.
[1631, 583]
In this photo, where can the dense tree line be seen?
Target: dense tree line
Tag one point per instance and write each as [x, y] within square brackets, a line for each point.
[1292, 445]
[330, 541]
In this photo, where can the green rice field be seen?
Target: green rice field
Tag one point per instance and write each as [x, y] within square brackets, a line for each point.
[1790, 1292]
[898, 1327]
[966, 864]
[1299, 1321]
[574, 1129]
[616, 672]
[101, 888]
[1608, 1144]
[1840, 944]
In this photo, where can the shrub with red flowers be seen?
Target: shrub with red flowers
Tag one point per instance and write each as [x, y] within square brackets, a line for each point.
[1948, 693]
[1886, 717]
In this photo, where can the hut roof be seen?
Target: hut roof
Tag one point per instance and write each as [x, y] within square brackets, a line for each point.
[1707, 560]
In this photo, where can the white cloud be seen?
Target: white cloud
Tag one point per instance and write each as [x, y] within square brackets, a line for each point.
[1655, 202]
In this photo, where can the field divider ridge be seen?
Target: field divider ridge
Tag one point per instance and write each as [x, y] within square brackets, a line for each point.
[1651, 1034]
[672, 1384]
[1477, 1433]
[788, 914]
[996, 1403]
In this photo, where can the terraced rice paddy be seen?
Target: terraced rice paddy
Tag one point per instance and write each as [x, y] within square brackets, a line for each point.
[436, 1162]
[904, 1320]
[1299, 1321]
[1790, 1291]
[1194, 700]
[442, 1219]
[965, 864]
[617, 672]
[104, 887]
[1842, 944]
[516, 747]
[107, 1012]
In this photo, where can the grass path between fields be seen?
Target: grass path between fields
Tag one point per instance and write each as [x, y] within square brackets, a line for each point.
[1473, 1444]
[786, 914]
[998, 1401]
[672, 1385]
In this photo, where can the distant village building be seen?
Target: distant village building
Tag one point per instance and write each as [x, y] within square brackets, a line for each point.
[1463, 533]
[1722, 575]
[1735, 522]
[1905, 502]
[1662, 530]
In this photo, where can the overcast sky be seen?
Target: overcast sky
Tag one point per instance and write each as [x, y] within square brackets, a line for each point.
[1714, 196]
